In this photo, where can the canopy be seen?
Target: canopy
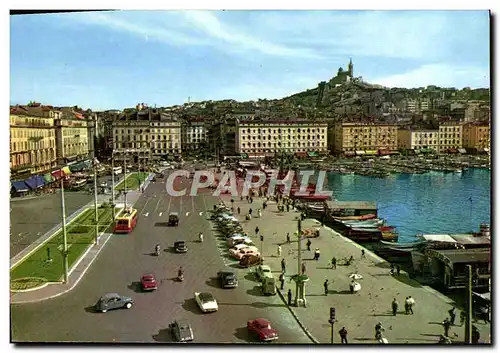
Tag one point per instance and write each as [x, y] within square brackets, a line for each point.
[20, 186]
[77, 167]
[312, 154]
[66, 170]
[371, 152]
[360, 153]
[31, 182]
[48, 178]
[462, 150]
[39, 181]
[58, 174]
[349, 153]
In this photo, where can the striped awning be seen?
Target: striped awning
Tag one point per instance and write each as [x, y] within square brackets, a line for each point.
[66, 170]
[48, 178]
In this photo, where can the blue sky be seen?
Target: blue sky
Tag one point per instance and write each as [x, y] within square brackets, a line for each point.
[113, 60]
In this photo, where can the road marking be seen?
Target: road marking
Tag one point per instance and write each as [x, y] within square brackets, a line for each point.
[181, 206]
[146, 214]
[160, 214]
[192, 202]
[169, 201]
[142, 209]
[157, 204]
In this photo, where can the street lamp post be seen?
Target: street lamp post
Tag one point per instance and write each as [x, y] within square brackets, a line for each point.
[125, 176]
[65, 238]
[96, 213]
[113, 183]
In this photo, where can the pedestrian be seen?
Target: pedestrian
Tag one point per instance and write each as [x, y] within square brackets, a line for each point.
[251, 199]
[316, 254]
[303, 268]
[283, 266]
[289, 295]
[363, 254]
[395, 306]
[463, 316]
[238, 209]
[411, 303]
[453, 314]
[308, 244]
[334, 262]
[398, 270]
[325, 285]
[475, 336]
[259, 212]
[282, 280]
[288, 207]
[250, 212]
[279, 250]
[257, 230]
[392, 269]
[446, 325]
[343, 335]
[407, 306]
[288, 237]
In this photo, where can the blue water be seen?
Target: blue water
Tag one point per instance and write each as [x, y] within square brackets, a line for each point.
[434, 202]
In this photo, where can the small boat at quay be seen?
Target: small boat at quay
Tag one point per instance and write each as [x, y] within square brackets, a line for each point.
[365, 224]
[354, 218]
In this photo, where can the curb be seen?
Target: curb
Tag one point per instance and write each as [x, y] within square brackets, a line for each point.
[306, 331]
[29, 290]
[72, 286]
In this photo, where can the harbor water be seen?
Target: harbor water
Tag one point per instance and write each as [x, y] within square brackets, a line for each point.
[434, 202]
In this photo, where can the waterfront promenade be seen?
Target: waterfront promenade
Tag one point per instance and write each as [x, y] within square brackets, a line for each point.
[358, 313]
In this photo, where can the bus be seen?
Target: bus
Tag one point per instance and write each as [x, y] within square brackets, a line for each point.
[126, 221]
[117, 170]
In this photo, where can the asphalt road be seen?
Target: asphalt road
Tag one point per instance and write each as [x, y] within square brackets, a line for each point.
[32, 217]
[119, 267]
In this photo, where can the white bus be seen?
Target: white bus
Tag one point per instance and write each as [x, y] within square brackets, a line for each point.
[117, 170]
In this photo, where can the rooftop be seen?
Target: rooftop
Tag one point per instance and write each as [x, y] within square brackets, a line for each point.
[464, 256]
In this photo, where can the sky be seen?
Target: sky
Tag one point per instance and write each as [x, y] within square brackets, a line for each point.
[114, 60]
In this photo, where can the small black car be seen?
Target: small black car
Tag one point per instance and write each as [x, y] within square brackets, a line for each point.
[228, 279]
[180, 246]
[173, 219]
[182, 331]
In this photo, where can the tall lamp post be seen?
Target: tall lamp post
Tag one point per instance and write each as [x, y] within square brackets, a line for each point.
[113, 183]
[65, 238]
[96, 213]
[125, 176]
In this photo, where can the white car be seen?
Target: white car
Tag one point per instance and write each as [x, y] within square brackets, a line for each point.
[239, 247]
[206, 302]
[239, 240]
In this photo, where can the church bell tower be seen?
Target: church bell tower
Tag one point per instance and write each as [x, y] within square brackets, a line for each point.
[350, 68]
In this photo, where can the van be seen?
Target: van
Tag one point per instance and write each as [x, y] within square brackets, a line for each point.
[269, 286]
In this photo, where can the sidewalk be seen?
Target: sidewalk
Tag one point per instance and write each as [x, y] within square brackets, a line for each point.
[359, 312]
[78, 270]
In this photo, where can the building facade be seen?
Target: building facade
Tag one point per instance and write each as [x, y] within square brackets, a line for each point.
[32, 145]
[72, 139]
[194, 135]
[417, 139]
[476, 135]
[356, 138]
[450, 136]
[265, 138]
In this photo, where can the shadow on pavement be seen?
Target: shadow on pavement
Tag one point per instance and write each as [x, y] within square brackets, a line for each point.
[383, 314]
[235, 265]
[251, 276]
[191, 306]
[171, 250]
[430, 334]
[136, 287]
[364, 339]
[213, 282]
[407, 280]
[164, 336]
[92, 310]
[241, 333]
[161, 224]
[150, 254]
[256, 291]
[340, 292]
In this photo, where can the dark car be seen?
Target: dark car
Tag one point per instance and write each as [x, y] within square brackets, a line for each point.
[228, 279]
[112, 301]
[173, 219]
[250, 260]
[180, 246]
[181, 331]
[148, 282]
[262, 328]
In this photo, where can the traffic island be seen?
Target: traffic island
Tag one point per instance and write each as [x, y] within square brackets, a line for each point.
[45, 264]
[132, 182]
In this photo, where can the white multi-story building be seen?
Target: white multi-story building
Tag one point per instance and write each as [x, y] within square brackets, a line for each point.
[194, 135]
[267, 137]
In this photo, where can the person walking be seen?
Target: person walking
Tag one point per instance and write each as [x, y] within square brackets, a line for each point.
[398, 270]
[283, 266]
[316, 254]
[363, 254]
[239, 210]
[334, 262]
[289, 295]
[453, 315]
[282, 280]
[411, 303]
[463, 316]
[303, 268]
[259, 213]
[446, 325]
[279, 250]
[395, 306]
[407, 306]
[288, 238]
[325, 286]
[257, 230]
[475, 335]
[308, 244]
[343, 335]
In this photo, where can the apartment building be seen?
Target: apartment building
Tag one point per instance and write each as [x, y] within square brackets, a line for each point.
[194, 135]
[72, 139]
[363, 138]
[476, 135]
[32, 143]
[450, 136]
[262, 138]
[418, 139]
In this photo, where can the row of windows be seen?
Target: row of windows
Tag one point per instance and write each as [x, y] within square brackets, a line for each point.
[275, 150]
[73, 132]
[279, 131]
[145, 130]
[279, 144]
[28, 145]
[287, 137]
[26, 133]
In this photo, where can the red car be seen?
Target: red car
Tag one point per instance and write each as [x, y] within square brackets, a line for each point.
[148, 282]
[263, 329]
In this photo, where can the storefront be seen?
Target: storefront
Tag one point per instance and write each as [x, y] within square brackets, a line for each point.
[360, 153]
[371, 153]
[300, 155]
[349, 153]
[462, 150]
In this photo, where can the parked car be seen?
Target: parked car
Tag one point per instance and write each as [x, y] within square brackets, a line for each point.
[228, 279]
[173, 219]
[206, 302]
[262, 328]
[181, 331]
[263, 271]
[103, 184]
[180, 246]
[239, 240]
[250, 260]
[237, 248]
[112, 301]
[246, 251]
[148, 282]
